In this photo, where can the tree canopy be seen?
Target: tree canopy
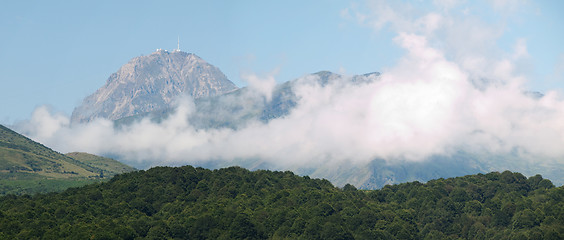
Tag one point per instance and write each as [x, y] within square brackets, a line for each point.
[235, 203]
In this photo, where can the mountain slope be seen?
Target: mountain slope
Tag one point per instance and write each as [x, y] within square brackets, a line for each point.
[237, 108]
[28, 167]
[151, 83]
[234, 203]
[107, 167]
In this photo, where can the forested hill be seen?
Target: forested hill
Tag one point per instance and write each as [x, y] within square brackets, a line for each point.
[234, 203]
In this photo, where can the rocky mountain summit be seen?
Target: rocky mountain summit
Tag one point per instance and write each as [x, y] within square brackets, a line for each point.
[150, 83]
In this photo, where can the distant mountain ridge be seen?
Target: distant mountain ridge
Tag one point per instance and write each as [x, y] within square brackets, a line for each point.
[237, 108]
[151, 83]
[134, 93]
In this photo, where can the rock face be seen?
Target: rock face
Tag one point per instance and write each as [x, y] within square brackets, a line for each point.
[151, 83]
[238, 108]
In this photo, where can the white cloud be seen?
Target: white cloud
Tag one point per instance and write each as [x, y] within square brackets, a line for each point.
[470, 39]
[447, 5]
[520, 49]
[44, 124]
[508, 6]
[262, 85]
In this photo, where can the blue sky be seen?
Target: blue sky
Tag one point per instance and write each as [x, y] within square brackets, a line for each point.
[57, 52]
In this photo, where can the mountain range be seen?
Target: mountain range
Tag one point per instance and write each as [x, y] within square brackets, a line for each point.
[147, 86]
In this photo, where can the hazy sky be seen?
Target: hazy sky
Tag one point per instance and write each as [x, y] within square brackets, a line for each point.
[58, 52]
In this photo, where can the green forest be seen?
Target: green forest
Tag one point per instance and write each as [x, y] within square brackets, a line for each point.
[235, 203]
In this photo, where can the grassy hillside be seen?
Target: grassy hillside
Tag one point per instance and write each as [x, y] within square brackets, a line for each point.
[107, 167]
[29, 167]
[234, 203]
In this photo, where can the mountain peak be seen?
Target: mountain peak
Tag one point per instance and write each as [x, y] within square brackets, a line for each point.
[151, 83]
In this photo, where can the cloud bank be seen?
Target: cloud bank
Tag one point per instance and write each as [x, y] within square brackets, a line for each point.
[453, 90]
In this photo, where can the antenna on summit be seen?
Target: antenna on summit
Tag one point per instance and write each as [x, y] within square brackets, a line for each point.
[178, 45]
